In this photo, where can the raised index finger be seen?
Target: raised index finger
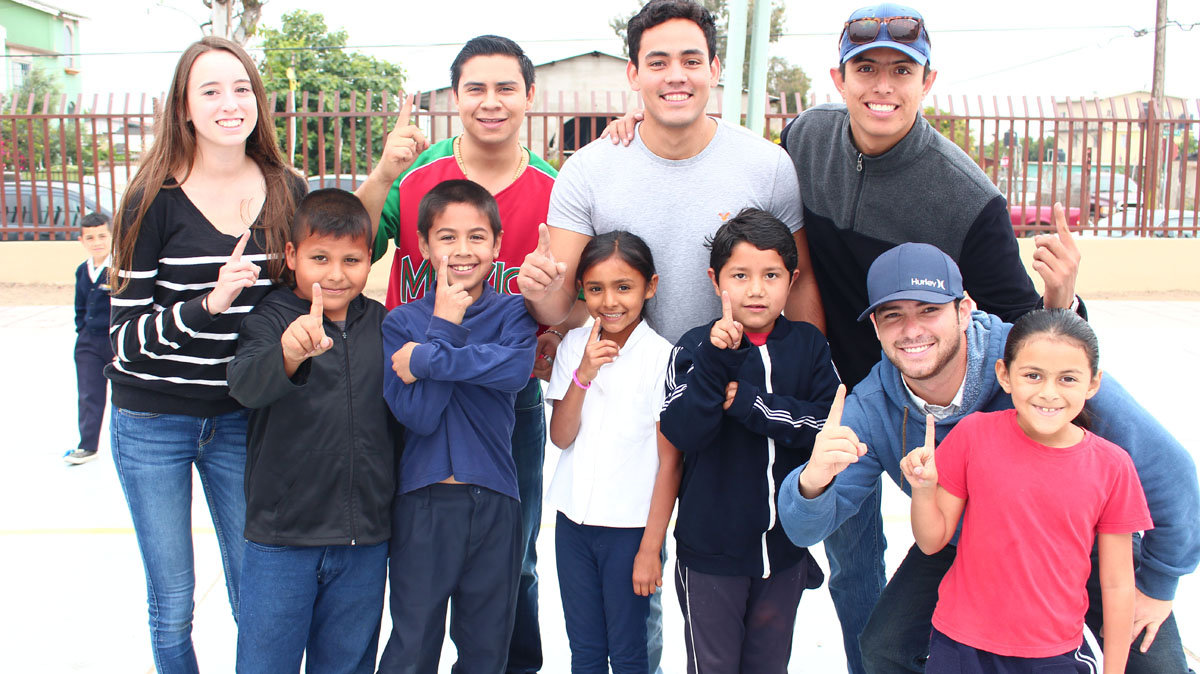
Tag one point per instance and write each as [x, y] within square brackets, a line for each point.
[835, 411]
[726, 307]
[236, 255]
[443, 279]
[317, 310]
[930, 432]
[595, 330]
[405, 112]
[543, 245]
[1060, 225]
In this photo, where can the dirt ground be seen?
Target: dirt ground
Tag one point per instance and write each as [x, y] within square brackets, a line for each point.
[14, 294]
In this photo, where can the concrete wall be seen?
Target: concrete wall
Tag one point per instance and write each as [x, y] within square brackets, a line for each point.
[1110, 266]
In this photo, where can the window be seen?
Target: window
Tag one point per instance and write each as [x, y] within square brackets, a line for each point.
[69, 45]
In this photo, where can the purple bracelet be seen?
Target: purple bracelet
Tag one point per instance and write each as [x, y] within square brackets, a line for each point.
[575, 378]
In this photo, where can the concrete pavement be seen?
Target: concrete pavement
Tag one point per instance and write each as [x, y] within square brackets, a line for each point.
[74, 593]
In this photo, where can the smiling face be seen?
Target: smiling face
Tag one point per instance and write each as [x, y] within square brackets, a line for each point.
[463, 235]
[926, 342]
[757, 282]
[674, 74]
[1049, 381]
[615, 293]
[220, 100]
[97, 241]
[492, 98]
[340, 264]
[883, 89]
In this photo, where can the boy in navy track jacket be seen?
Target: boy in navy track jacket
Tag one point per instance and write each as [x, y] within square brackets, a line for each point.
[746, 396]
[459, 357]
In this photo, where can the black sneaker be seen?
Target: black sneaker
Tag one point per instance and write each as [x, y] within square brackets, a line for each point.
[78, 456]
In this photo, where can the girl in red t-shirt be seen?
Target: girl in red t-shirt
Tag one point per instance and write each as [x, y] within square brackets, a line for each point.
[1035, 491]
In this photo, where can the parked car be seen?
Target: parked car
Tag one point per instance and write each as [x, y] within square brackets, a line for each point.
[1161, 223]
[38, 211]
[1031, 220]
[342, 181]
[1109, 193]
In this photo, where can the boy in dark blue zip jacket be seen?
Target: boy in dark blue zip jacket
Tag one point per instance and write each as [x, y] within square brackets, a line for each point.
[459, 355]
[746, 396]
[320, 455]
[92, 348]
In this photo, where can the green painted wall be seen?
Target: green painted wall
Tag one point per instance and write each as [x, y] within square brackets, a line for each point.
[32, 28]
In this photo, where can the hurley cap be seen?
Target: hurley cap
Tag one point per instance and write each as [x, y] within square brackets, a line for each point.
[913, 271]
[918, 49]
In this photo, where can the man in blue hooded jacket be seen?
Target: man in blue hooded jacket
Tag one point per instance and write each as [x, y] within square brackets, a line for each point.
[939, 360]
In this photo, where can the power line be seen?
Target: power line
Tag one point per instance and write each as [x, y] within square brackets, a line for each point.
[419, 45]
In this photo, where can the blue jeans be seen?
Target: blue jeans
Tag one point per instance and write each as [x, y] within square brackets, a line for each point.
[154, 455]
[856, 572]
[606, 620]
[325, 603]
[529, 453]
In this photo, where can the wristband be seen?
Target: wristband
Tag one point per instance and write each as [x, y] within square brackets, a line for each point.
[204, 303]
[575, 378]
[560, 335]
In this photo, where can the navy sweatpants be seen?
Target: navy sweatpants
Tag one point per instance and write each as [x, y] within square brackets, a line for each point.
[92, 352]
[947, 656]
[456, 545]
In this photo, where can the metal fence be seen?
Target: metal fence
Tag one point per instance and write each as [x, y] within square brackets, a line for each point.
[1119, 166]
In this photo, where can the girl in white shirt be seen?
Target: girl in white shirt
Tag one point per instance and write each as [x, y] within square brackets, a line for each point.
[617, 477]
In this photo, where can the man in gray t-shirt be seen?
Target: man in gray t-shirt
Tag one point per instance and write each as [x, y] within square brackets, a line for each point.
[674, 204]
[684, 174]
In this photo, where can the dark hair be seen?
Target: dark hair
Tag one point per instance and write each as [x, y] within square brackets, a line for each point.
[928, 67]
[1061, 324]
[756, 227]
[331, 212]
[627, 246]
[491, 45]
[656, 12]
[435, 201]
[96, 219]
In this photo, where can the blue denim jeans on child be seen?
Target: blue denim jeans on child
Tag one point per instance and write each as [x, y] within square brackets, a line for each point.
[321, 603]
[154, 455]
[529, 453]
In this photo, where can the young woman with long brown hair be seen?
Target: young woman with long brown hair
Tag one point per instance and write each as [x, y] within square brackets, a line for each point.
[209, 205]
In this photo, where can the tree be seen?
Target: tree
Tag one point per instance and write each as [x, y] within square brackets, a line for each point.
[40, 81]
[320, 62]
[782, 77]
[959, 131]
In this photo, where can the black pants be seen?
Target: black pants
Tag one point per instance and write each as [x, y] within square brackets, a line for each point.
[738, 624]
[459, 545]
[92, 352]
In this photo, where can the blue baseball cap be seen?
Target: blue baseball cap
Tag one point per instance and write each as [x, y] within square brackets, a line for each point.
[917, 49]
[912, 271]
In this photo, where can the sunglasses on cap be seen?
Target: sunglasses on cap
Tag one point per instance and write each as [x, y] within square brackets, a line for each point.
[866, 29]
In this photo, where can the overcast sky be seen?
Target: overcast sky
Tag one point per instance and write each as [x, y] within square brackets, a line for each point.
[1022, 47]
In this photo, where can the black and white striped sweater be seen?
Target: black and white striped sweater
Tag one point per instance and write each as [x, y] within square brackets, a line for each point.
[171, 354]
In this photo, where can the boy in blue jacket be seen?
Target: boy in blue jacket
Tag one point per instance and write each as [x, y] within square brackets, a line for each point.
[320, 453]
[460, 356]
[92, 349]
[746, 395]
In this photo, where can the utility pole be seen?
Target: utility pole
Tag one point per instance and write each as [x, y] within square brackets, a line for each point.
[222, 15]
[1157, 108]
[1160, 54]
